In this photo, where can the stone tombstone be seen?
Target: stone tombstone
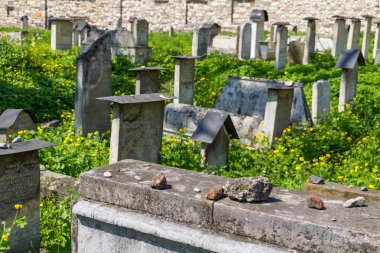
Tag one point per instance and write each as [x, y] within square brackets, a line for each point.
[94, 75]
[320, 100]
[349, 62]
[147, 79]
[277, 111]
[137, 126]
[376, 45]
[80, 33]
[171, 31]
[309, 39]
[245, 41]
[20, 184]
[267, 50]
[272, 33]
[339, 36]
[24, 22]
[366, 35]
[213, 29]
[200, 42]
[61, 33]
[258, 17]
[213, 133]
[14, 120]
[281, 45]
[354, 34]
[141, 32]
[296, 52]
[184, 79]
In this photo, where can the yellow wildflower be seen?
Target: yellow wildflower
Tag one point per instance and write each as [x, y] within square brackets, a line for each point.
[276, 151]
[76, 145]
[301, 159]
[96, 133]
[5, 238]
[371, 186]
[18, 206]
[328, 155]
[298, 167]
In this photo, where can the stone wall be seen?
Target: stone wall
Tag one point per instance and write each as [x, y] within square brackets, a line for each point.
[183, 14]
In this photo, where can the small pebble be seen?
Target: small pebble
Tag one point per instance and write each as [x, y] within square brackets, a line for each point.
[138, 178]
[356, 202]
[17, 139]
[3, 145]
[316, 180]
[364, 189]
[333, 219]
[159, 182]
[107, 174]
[313, 201]
[215, 193]
[351, 186]
[145, 164]
[9, 146]
[197, 190]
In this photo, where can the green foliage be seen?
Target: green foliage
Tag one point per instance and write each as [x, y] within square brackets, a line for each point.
[5, 231]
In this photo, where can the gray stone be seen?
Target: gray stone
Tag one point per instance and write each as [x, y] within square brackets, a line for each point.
[141, 32]
[197, 190]
[24, 22]
[3, 145]
[258, 17]
[17, 139]
[356, 202]
[184, 79]
[364, 189]
[212, 30]
[107, 174]
[147, 79]
[281, 47]
[14, 120]
[248, 189]
[296, 52]
[354, 34]
[267, 50]
[366, 35]
[57, 184]
[200, 42]
[316, 180]
[313, 201]
[61, 33]
[320, 100]
[376, 45]
[309, 39]
[94, 74]
[159, 182]
[245, 41]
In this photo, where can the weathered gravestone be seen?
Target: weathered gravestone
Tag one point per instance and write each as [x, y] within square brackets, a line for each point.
[296, 52]
[80, 33]
[94, 74]
[24, 22]
[354, 34]
[20, 184]
[320, 100]
[267, 50]
[258, 17]
[376, 46]
[212, 30]
[366, 35]
[339, 36]
[141, 32]
[245, 41]
[349, 62]
[137, 126]
[61, 33]
[14, 120]
[213, 132]
[147, 79]
[184, 79]
[309, 39]
[281, 45]
[200, 42]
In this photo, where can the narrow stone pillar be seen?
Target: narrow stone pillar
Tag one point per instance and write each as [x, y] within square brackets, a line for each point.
[20, 184]
[24, 22]
[277, 111]
[137, 127]
[147, 79]
[171, 31]
[245, 41]
[258, 17]
[354, 34]
[281, 45]
[339, 42]
[272, 33]
[200, 42]
[140, 30]
[309, 39]
[320, 100]
[366, 35]
[184, 79]
[61, 33]
[376, 46]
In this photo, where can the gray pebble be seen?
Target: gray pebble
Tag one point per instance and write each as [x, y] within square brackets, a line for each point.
[316, 180]
[364, 189]
[351, 186]
[356, 202]
[17, 139]
[3, 145]
[197, 190]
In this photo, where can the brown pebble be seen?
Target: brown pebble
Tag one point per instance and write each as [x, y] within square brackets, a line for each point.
[313, 201]
[215, 193]
[159, 182]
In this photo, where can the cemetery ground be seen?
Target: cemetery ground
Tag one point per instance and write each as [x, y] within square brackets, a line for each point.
[344, 148]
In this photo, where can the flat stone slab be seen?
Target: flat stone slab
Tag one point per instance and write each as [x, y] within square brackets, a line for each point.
[342, 191]
[57, 184]
[26, 146]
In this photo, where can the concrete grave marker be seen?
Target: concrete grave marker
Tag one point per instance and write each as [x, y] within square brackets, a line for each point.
[200, 42]
[320, 100]
[147, 79]
[339, 36]
[309, 39]
[24, 22]
[354, 34]
[20, 184]
[296, 52]
[14, 120]
[366, 35]
[281, 45]
[258, 17]
[94, 76]
[349, 62]
[213, 132]
[137, 126]
[212, 30]
[141, 32]
[376, 46]
[245, 41]
[61, 33]
[184, 79]
[267, 50]
[80, 33]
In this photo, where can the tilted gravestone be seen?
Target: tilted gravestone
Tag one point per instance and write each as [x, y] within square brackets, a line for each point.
[366, 35]
[281, 45]
[376, 46]
[258, 17]
[339, 43]
[296, 52]
[184, 79]
[354, 34]
[20, 184]
[320, 100]
[137, 126]
[245, 41]
[14, 120]
[94, 74]
[147, 79]
[309, 39]
[200, 42]
[61, 33]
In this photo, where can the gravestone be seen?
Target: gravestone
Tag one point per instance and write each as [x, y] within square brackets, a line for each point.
[309, 39]
[171, 31]
[213, 29]
[354, 34]
[24, 22]
[277, 111]
[320, 100]
[267, 50]
[14, 120]
[184, 79]
[245, 41]
[272, 33]
[20, 184]
[376, 45]
[200, 42]
[213, 132]
[80, 33]
[281, 45]
[366, 35]
[296, 52]
[339, 36]
[137, 126]
[349, 62]
[94, 76]
[141, 32]
[147, 79]
[61, 33]
[258, 17]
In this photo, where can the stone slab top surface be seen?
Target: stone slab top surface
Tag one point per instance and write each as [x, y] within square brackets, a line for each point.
[268, 81]
[311, 18]
[26, 146]
[60, 19]
[349, 58]
[186, 57]
[281, 23]
[143, 68]
[338, 17]
[282, 88]
[355, 19]
[367, 16]
[141, 98]
[9, 116]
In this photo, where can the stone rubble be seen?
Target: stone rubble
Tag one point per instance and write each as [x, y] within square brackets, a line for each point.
[313, 201]
[248, 189]
[356, 202]
[159, 182]
[316, 180]
[215, 193]
[107, 174]
[364, 189]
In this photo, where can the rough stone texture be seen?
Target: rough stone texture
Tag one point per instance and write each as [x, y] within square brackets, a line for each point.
[356, 202]
[342, 191]
[267, 50]
[376, 45]
[316, 180]
[94, 74]
[354, 34]
[245, 41]
[200, 42]
[295, 52]
[215, 193]
[313, 201]
[14, 120]
[159, 182]
[248, 189]
[257, 36]
[339, 37]
[348, 86]
[320, 100]
[184, 79]
[366, 37]
[147, 80]
[281, 47]
[226, 44]
[57, 184]
[216, 153]
[141, 32]
[61, 34]
[309, 41]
